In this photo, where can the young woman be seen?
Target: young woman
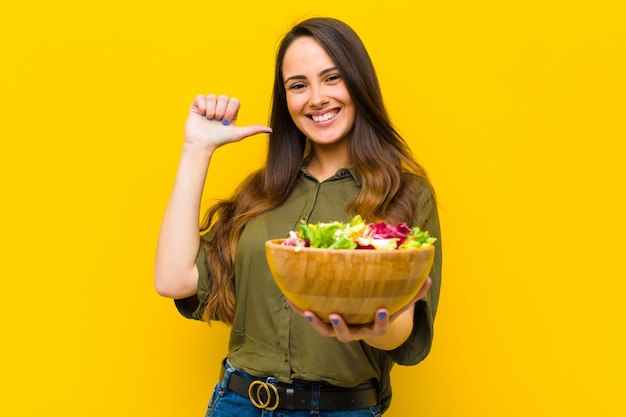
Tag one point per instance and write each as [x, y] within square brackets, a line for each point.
[333, 153]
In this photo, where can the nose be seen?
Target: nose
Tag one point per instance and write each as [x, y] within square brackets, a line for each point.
[318, 97]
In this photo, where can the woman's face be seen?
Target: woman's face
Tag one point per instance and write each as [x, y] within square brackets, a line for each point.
[317, 97]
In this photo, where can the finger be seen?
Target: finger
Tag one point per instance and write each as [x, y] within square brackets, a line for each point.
[319, 325]
[421, 294]
[245, 131]
[295, 308]
[424, 290]
[341, 329]
[232, 109]
[381, 322]
[220, 107]
[210, 102]
[198, 105]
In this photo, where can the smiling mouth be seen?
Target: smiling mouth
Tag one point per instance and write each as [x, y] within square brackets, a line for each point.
[324, 117]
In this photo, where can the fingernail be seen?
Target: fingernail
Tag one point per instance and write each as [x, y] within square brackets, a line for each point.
[382, 315]
[225, 122]
[334, 321]
[309, 318]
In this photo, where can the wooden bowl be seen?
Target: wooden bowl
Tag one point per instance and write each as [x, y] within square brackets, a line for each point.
[352, 283]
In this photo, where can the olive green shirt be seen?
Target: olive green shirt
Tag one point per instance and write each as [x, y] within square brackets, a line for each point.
[268, 338]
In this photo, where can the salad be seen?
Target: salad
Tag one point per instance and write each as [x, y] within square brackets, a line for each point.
[356, 234]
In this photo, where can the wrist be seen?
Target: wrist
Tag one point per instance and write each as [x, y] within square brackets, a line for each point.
[195, 150]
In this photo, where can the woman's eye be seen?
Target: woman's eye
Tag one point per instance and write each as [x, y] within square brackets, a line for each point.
[334, 77]
[296, 86]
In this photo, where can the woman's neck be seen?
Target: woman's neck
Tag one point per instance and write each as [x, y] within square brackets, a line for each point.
[326, 160]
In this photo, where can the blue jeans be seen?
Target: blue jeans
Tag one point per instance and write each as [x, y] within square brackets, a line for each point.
[226, 403]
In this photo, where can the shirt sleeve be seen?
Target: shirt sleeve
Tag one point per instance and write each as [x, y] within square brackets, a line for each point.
[192, 307]
[418, 345]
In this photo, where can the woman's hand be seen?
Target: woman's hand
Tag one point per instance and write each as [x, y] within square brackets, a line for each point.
[384, 332]
[212, 123]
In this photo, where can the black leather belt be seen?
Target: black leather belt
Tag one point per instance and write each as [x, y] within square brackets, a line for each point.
[272, 396]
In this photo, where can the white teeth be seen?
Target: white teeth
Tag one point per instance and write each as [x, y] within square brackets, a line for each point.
[324, 117]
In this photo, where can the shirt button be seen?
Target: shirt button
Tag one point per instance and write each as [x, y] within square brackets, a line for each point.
[285, 357]
[286, 306]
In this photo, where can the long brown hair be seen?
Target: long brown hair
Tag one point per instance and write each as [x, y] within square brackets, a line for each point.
[379, 154]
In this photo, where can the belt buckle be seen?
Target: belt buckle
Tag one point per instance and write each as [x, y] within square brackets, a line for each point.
[255, 395]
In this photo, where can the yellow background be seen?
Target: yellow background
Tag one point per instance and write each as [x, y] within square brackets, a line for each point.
[515, 107]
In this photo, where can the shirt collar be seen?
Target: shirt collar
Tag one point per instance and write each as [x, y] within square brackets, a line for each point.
[342, 173]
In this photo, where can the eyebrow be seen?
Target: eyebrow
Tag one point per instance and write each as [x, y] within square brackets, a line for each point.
[303, 77]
